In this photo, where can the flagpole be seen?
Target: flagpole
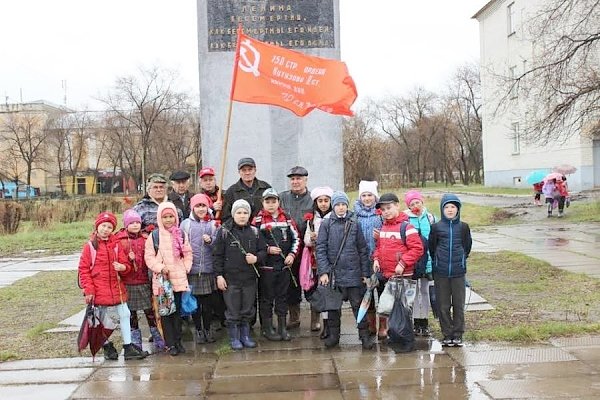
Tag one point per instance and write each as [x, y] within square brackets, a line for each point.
[229, 111]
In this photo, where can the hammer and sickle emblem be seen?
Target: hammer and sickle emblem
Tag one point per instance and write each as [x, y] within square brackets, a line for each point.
[245, 64]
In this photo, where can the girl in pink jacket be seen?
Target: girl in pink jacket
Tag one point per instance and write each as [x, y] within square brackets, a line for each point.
[172, 257]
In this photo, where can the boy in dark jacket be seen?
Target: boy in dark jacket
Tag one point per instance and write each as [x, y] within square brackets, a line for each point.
[351, 270]
[283, 242]
[238, 248]
[449, 245]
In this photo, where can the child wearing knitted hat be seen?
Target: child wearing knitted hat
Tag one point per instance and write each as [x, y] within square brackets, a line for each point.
[131, 240]
[343, 260]
[100, 256]
[421, 219]
[238, 249]
[168, 253]
[201, 229]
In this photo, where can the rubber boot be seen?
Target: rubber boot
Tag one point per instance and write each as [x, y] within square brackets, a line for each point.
[136, 340]
[315, 320]
[267, 330]
[334, 330]
[110, 353]
[234, 337]
[366, 339]
[372, 320]
[245, 336]
[157, 340]
[131, 352]
[281, 329]
[325, 332]
[294, 321]
[383, 328]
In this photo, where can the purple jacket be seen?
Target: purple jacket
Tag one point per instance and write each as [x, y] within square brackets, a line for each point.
[202, 252]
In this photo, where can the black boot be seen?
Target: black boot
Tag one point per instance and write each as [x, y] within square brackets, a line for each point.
[281, 329]
[425, 328]
[418, 326]
[131, 352]
[267, 330]
[110, 353]
[325, 332]
[209, 336]
[366, 339]
[333, 339]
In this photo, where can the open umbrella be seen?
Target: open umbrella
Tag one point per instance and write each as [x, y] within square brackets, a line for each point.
[564, 169]
[536, 176]
[96, 328]
[366, 301]
[553, 175]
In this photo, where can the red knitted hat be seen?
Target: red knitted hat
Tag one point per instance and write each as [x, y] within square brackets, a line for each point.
[106, 216]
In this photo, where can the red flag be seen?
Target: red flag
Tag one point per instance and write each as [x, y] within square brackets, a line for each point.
[268, 74]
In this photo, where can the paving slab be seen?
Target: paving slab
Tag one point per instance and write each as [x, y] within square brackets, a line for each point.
[538, 371]
[453, 391]
[46, 392]
[302, 395]
[274, 384]
[52, 363]
[137, 390]
[521, 355]
[63, 375]
[270, 368]
[401, 377]
[573, 387]
[157, 372]
[369, 362]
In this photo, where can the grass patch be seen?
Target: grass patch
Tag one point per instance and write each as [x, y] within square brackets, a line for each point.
[583, 211]
[58, 238]
[223, 347]
[533, 300]
[32, 305]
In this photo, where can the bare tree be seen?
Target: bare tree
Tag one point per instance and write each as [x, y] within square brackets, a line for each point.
[563, 78]
[141, 101]
[26, 135]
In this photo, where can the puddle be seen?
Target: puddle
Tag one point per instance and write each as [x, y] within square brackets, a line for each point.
[556, 242]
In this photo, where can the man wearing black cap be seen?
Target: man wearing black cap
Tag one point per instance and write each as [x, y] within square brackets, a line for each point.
[180, 195]
[296, 202]
[247, 187]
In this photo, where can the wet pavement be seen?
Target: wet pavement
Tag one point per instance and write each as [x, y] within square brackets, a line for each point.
[565, 368]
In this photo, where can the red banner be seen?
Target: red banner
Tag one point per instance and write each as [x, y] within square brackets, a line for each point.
[268, 74]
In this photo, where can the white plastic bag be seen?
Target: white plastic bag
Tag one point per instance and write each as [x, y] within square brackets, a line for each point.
[387, 298]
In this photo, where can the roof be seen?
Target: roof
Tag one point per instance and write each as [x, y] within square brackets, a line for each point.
[484, 9]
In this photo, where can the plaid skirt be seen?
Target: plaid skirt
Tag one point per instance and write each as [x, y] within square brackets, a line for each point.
[139, 297]
[202, 283]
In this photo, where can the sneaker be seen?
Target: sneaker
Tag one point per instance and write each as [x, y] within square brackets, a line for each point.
[173, 351]
[560, 214]
[418, 331]
[447, 342]
[180, 347]
[425, 332]
[131, 352]
[457, 341]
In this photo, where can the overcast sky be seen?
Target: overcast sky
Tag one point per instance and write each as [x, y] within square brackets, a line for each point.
[390, 46]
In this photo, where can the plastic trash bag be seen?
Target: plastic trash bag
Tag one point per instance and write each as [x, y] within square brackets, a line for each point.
[189, 304]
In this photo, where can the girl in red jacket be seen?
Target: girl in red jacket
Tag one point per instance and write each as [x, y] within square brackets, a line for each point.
[100, 278]
[131, 241]
[393, 256]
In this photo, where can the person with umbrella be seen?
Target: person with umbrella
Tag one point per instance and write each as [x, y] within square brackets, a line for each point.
[100, 279]
[551, 192]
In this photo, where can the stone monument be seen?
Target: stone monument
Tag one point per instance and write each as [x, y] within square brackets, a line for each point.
[275, 137]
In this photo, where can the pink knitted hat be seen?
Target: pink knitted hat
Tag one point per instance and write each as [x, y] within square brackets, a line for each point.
[412, 195]
[130, 216]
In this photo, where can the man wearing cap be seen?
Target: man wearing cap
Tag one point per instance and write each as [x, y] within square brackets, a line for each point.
[248, 188]
[156, 193]
[296, 202]
[180, 195]
[208, 186]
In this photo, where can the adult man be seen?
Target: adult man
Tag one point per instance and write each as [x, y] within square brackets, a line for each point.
[296, 202]
[180, 196]
[247, 187]
[208, 186]
[156, 193]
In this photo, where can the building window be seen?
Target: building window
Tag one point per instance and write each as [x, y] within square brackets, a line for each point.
[516, 138]
[510, 18]
[512, 74]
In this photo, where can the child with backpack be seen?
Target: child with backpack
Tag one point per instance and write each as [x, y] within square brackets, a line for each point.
[283, 242]
[343, 259]
[201, 230]
[168, 252]
[420, 218]
[100, 279]
[450, 245]
[237, 250]
[131, 241]
[397, 250]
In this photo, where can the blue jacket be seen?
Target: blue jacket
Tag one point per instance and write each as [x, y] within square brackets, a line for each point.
[353, 264]
[423, 224]
[449, 242]
[202, 252]
[368, 220]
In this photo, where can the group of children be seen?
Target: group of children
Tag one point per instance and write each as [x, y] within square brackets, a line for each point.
[245, 257]
[556, 194]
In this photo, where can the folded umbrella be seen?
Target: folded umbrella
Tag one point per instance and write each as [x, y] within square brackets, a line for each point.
[95, 329]
[366, 301]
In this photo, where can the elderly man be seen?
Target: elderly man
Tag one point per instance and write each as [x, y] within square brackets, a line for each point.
[297, 202]
[247, 187]
[156, 193]
[208, 186]
[180, 196]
